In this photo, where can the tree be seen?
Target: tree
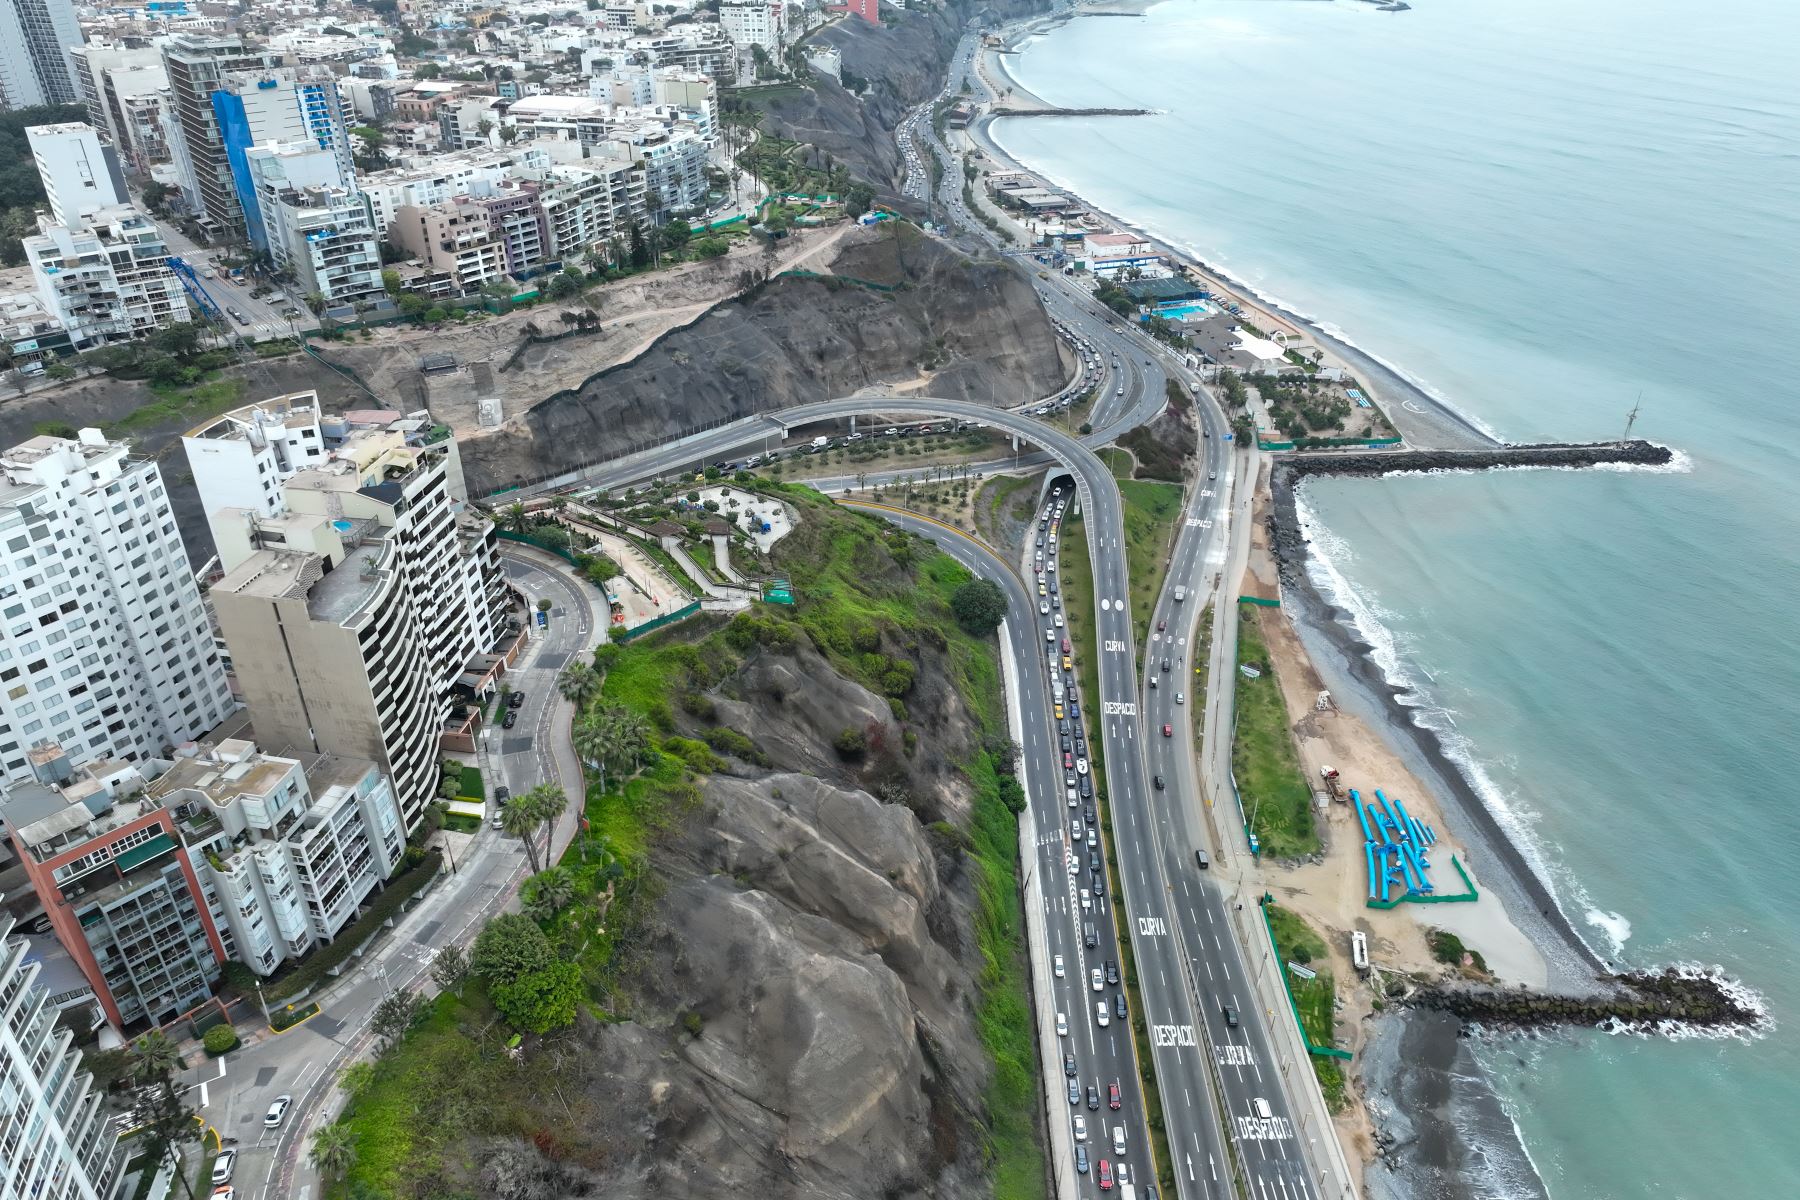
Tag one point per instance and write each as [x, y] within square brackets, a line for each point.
[979, 606]
[711, 248]
[449, 967]
[518, 820]
[427, 71]
[181, 339]
[219, 1039]
[165, 1120]
[156, 194]
[548, 801]
[333, 1149]
[640, 249]
[395, 1015]
[515, 519]
[858, 199]
[58, 370]
[578, 683]
[509, 946]
[676, 233]
[390, 281]
[542, 1000]
[547, 893]
[357, 1078]
[563, 285]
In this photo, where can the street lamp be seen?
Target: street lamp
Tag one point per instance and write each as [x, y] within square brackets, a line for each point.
[262, 1003]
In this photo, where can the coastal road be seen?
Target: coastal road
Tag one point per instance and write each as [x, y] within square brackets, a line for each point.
[1103, 1056]
[305, 1062]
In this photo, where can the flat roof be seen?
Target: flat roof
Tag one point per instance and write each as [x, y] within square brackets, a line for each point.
[343, 590]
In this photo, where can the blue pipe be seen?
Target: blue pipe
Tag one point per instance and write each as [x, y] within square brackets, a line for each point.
[1369, 856]
[1389, 806]
[1361, 816]
[1406, 865]
[1430, 836]
[1385, 879]
[1406, 821]
[1418, 831]
[1424, 884]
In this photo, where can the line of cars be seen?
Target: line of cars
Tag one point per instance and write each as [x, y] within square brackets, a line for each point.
[225, 1164]
[1082, 850]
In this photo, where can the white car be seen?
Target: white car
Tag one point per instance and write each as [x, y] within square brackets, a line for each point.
[1062, 1025]
[1092, 841]
[277, 1110]
[1119, 1140]
[1081, 766]
[223, 1166]
[1178, 698]
[1102, 1018]
[1080, 1128]
[1056, 966]
[1059, 620]
[1044, 607]
[1074, 865]
[1097, 979]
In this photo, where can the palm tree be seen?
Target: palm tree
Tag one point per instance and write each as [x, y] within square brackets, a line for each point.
[593, 740]
[578, 683]
[156, 1056]
[634, 736]
[549, 892]
[518, 819]
[547, 802]
[333, 1149]
[514, 517]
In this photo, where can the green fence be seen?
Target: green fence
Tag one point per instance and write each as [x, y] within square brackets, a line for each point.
[1258, 600]
[1434, 898]
[1323, 1051]
[562, 552]
[654, 623]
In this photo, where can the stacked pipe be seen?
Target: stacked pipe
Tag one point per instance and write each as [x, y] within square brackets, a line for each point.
[1394, 847]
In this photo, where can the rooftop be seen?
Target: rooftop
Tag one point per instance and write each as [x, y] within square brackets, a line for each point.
[223, 773]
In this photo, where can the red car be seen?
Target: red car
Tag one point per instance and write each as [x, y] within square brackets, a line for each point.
[1161, 625]
[1037, 568]
[1065, 645]
[1168, 731]
[1068, 760]
[1112, 1096]
[1105, 1176]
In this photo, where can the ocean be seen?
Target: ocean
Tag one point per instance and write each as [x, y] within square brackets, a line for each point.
[1546, 214]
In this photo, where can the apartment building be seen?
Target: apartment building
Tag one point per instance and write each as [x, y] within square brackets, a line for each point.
[289, 106]
[123, 88]
[107, 281]
[442, 178]
[56, 1142]
[241, 459]
[104, 641]
[196, 65]
[291, 847]
[590, 204]
[118, 884]
[753, 23]
[79, 177]
[35, 36]
[454, 238]
[353, 613]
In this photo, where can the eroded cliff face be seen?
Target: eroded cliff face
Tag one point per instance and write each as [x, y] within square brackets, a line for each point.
[801, 1019]
[974, 330]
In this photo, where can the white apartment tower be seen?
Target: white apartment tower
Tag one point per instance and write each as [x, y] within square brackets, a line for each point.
[353, 612]
[77, 174]
[35, 37]
[104, 641]
[107, 280]
[292, 848]
[55, 1142]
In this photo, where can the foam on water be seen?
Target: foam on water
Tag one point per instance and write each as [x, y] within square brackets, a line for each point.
[1615, 927]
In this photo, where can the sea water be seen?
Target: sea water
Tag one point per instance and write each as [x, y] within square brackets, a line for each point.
[1548, 213]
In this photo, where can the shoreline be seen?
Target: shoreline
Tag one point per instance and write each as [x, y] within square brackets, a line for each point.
[1442, 426]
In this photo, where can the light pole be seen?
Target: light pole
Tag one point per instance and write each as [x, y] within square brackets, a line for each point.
[262, 1003]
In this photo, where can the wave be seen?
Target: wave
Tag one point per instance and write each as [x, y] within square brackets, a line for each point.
[1747, 998]
[1616, 928]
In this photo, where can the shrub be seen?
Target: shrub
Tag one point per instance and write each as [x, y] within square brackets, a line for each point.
[851, 743]
[219, 1039]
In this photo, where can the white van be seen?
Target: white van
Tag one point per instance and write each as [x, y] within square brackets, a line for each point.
[1261, 1108]
[1119, 1140]
[1102, 1018]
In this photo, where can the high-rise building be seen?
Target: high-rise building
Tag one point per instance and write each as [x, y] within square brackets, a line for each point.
[108, 280]
[195, 66]
[118, 884]
[55, 1140]
[316, 230]
[35, 38]
[78, 175]
[104, 641]
[354, 612]
[292, 848]
[287, 106]
[241, 459]
[753, 22]
[124, 89]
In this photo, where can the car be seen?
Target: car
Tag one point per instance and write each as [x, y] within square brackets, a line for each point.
[1059, 618]
[1119, 1005]
[1097, 979]
[1093, 839]
[1040, 543]
[1211, 475]
[1168, 730]
[1119, 1140]
[1065, 645]
[1074, 865]
[1087, 787]
[1087, 812]
[510, 719]
[1158, 781]
[514, 699]
[1044, 611]
[1179, 699]
[1161, 625]
[1201, 860]
[226, 1192]
[1093, 1098]
[1074, 1091]
[1113, 1100]
[1066, 742]
[1094, 861]
[1062, 1025]
[1056, 965]
[1112, 972]
[272, 1119]
[1102, 1018]
[1230, 1015]
[1165, 664]
[1081, 1159]
[1153, 683]
[1069, 1065]
[1050, 635]
[1073, 799]
[1106, 1176]
[1068, 759]
[1260, 1107]
[223, 1166]
[1081, 766]
[1079, 1124]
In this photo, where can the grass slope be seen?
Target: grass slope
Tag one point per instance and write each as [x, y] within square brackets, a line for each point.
[1277, 802]
[1315, 999]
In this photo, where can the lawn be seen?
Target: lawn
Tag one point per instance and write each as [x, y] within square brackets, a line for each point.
[1273, 790]
[1118, 461]
[1315, 999]
[1151, 513]
[194, 403]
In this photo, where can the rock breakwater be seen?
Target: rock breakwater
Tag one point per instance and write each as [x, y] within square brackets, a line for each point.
[1671, 1000]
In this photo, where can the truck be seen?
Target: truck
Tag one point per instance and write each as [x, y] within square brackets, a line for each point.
[820, 442]
[1056, 691]
[1180, 594]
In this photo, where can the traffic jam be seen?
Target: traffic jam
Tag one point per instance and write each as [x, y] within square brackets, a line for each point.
[1097, 1124]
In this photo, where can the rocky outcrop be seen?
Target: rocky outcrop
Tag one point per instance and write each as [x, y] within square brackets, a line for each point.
[976, 327]
[1639, 1001]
